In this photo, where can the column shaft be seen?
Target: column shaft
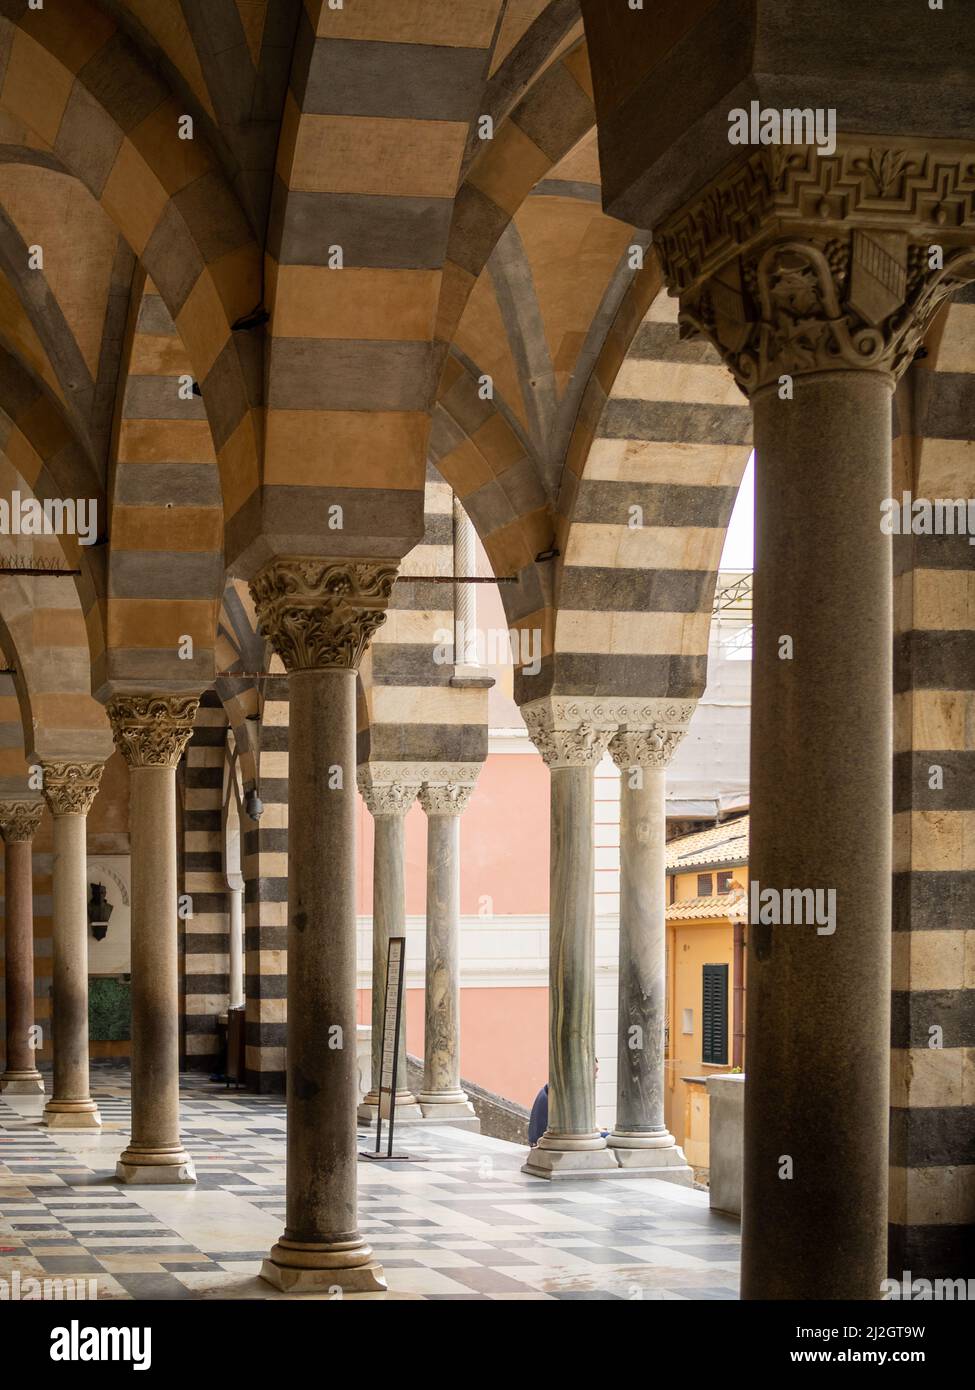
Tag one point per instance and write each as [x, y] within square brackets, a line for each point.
[442, 1094]
[640, 1137]
[816, 1097]
[388, 919]
[155, 1152]
[21, 1076]
[71, 1105]
[235, 962]
[321, 1244]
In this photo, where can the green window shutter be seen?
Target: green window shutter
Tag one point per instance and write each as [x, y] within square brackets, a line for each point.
[715, 1015]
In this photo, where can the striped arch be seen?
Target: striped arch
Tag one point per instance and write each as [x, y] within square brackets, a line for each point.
[649, 515]
[375, 126]
[165, 567]
[408, 710]
[72, 78]
[932, 1166]
[48, 463]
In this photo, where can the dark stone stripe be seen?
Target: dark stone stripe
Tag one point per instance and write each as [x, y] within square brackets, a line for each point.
[274, 738]
[204, 778]
[674, 422]
[935, 1136]
[934, 661]
[198, 1024]
[934, 553]
[636, 591]
[438, 528]
[266, 890]
[206, 984]
[410, 597]
[555, 113]
[324, 374]
[265, 1034]
[265, 842]
[945, 405]
[201, 820]
[205, 943]
[266, 1083]
[204, 904]
[411, 81]
[659, 342]
[392, 233]
[934, 900]
[463, 743]
[155, 485]
[154, 317]
[914, 1013]
[930, 1252]
[409, 665]
[663, 504]
[208, 735]
[585, 673]
[567, 188]
[911, 774]
[166, 574]
[202, 861]
[158, 398]
[263, 938]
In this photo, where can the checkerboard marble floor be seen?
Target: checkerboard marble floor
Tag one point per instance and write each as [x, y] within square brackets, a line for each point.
[462, 1222]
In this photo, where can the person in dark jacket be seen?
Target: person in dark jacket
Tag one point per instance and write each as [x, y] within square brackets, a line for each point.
[538, 1123]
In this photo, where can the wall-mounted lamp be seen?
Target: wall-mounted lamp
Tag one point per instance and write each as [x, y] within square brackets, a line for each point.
[99, 911]
[253, 804]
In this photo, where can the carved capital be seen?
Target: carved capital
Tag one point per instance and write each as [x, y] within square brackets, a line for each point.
[70, 788]
[652, 747]
[795, 262]
[445, 799]
[321, 615]
[152, 730]
[568, 743]
[388, 798]
[19, 819]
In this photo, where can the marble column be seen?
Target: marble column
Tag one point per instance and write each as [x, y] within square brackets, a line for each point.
[571, 748]
[151, 732]
[817, 308]
[18, 821]
[320, 616]
[69, 790]
[442, 1096]
[388, 804]
[640, 1138]
[235, 941]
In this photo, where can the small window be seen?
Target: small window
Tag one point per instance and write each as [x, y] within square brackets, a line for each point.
[714, 1050]
[688, 1021]
[704, 889]
[724, 881]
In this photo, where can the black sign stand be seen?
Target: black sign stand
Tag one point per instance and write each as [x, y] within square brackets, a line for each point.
[389, 1051]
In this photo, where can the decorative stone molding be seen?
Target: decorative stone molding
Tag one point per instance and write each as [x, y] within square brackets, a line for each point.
[653, 747]
[389, 798]
[70, 788]
[319, 614]
[446, 799]
[152, 730]
[795, 262]
[566, 741]
[19, 819]
[378, 773]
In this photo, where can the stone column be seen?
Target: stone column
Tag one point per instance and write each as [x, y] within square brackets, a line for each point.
[388, 803]
[151, 731]
[640, 1138]
[320, 616]
[69, 790]
[442, 1096]
[571, 747]
[818, 298]
[18, 822]
[235, 941]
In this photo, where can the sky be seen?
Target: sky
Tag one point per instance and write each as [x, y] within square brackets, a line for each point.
[739, 546]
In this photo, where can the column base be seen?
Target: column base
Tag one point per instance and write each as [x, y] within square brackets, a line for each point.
[582, 1156]
[298, 1267]
[71, 1114]
[152, 1166]
[651, 1156]
[442, 1105]
[22, 1083]
[407, 1108]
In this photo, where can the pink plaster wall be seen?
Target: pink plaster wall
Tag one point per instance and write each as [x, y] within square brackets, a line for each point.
[503, 1037]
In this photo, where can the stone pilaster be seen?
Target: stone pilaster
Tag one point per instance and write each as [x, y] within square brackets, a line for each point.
[571, 746]
[388, 803]
[442, 1096]
[18, 822]
[151, 732]
[69, 790]
[816, 277]
[640, 1138]
[320, 616]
